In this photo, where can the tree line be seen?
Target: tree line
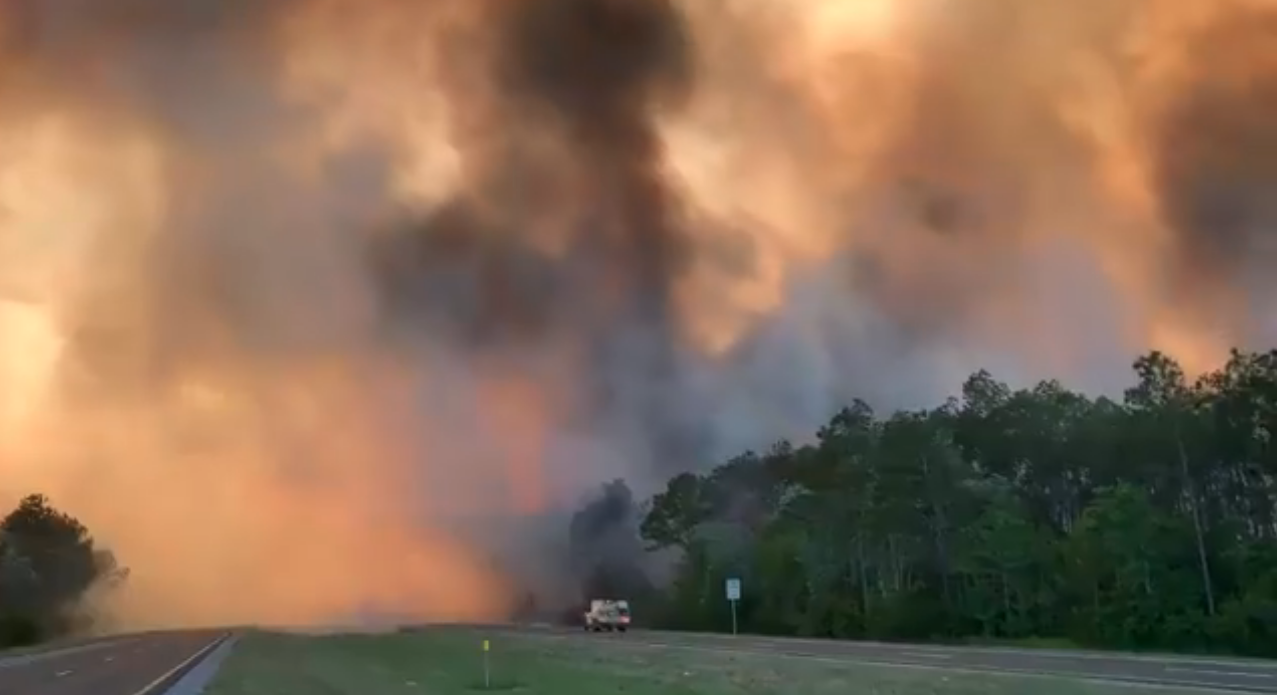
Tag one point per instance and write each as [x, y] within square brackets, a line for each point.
[48, 563]
[1002, 514]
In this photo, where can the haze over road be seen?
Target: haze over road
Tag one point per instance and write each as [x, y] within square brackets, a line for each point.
[131, 665]
[1242, 675]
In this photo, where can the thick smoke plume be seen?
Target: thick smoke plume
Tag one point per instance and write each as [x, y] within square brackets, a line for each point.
[604, 548]
[293, 292]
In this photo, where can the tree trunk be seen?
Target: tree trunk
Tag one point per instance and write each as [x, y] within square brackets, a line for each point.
[943, 552]
[1006, 595]
[706, 579]
[864, 574]
[896, 571]
[1191, 491]
[1095, 605]
[938, 525]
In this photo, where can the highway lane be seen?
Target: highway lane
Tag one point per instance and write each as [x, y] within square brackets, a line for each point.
[25, 655]
[127, 666]
[43, 650]
[1236, 675]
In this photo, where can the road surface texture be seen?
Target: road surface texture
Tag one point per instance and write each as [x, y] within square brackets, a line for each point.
[133, 665]
[1235, 675]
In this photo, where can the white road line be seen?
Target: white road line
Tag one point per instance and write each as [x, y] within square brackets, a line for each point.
[109, 659]
[195, 680]
[62, 674]
[150, 687]
[1212, 672]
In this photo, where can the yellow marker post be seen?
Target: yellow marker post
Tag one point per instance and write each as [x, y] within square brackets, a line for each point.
[487, 672]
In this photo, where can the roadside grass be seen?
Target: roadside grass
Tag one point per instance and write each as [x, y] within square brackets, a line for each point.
[449, 661]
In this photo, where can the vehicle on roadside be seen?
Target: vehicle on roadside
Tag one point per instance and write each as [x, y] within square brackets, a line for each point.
[607, 615]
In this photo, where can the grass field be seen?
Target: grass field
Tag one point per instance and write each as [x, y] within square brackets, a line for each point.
[448, 661]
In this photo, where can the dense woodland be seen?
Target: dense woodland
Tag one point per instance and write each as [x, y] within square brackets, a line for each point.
[1001, 514]
[48, 561]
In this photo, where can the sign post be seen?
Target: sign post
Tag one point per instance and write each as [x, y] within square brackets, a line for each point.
[487, 672]
[733, 595]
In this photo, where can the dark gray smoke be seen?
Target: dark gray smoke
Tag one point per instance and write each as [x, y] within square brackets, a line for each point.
[588, 77]
[606, 554]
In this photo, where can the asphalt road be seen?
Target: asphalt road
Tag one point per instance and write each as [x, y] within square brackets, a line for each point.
[132, 665]
[145, 664]
[1237, 675]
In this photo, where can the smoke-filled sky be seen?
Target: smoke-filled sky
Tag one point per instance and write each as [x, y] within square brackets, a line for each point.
[287, 287]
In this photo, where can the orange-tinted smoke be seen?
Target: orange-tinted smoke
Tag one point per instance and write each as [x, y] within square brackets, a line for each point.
[216, 402]
[210, 354]
[970, 151]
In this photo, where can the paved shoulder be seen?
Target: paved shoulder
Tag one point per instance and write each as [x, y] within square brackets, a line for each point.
[124, 667]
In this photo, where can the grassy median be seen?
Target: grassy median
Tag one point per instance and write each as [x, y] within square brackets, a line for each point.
[448, 661]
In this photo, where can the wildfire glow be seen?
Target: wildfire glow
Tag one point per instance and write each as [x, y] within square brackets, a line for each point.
[194, 354]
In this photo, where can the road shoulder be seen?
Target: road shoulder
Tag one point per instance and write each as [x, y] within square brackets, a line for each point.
[197, 678]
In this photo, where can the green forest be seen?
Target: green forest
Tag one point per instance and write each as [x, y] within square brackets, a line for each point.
[1001, 514]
